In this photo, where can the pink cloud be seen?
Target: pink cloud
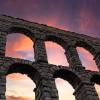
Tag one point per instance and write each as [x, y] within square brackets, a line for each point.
[56, 54]
[87, 59]
[87, 20]
[52, 45]
[53, 18]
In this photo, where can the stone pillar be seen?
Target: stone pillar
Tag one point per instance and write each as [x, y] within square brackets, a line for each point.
[40, 51]
[46, 90]
[2, 80]
[97, 59]
[72, 56]
[2, 87]
[86, 91]
[2, 43]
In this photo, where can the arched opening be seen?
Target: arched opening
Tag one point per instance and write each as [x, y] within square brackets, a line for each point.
[66, 81]
[19, 46]
[20, 83]
[97, 87]
[19, 87]
[65, 90]
[87, 59]
[96, 80]
[55, 54]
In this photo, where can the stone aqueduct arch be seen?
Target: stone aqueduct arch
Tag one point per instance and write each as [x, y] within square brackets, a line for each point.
[40, 71]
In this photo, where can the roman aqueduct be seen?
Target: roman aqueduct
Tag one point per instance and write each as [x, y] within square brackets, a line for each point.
[40, 71]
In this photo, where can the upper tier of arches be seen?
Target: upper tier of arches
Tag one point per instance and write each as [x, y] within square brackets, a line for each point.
[46, 33]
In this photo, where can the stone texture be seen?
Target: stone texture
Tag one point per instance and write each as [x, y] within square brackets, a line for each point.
[42, 73]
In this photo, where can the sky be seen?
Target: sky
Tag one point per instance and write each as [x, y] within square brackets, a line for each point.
[81, 16]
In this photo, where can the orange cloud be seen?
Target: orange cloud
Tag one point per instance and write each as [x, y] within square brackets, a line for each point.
[18, 98]
[97, 87]
[55, 23]
[21, 47]
[51, 23]
[23, 43]
[52, 20]
[65, 90]
[17, 76]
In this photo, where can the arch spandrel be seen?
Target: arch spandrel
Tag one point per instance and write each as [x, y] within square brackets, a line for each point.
[87, 45]
[20, 29]
[57, 39]
[23, 67]
[69, 76]
[95, 78]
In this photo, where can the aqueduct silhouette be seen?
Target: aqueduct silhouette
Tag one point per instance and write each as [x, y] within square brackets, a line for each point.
[40, 71]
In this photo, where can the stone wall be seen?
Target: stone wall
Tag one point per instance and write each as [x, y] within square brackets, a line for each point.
[40, 71]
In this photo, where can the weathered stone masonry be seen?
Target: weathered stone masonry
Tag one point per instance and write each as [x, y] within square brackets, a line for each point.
[40, 71]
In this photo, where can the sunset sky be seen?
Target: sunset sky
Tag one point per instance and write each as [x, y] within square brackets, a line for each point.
[81, 16]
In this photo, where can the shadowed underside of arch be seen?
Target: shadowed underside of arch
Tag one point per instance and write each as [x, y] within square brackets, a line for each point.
[22, 30]
[86, 45]
[56, 39]
[96, 79]
[23, 69]
[69, 76]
